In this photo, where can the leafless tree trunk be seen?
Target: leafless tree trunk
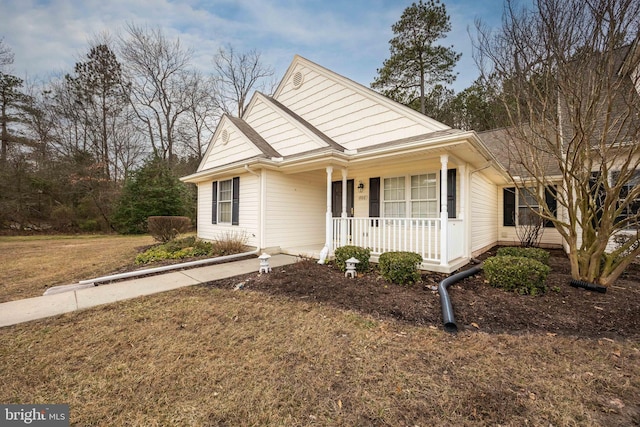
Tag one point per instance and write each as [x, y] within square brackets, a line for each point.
[158, 70]
[569, 74]
[235, 76]
[198, 123]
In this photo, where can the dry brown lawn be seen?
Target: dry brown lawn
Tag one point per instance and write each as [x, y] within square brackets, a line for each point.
[31, 264]
[208, 357]
[204, 356]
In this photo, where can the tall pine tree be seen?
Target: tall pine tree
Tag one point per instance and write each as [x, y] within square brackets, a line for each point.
[417, 64]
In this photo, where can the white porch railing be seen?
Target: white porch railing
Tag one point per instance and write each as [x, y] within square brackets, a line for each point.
[420, 235]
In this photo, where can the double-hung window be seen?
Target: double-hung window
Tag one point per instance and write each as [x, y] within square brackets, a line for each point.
[424, 196]
[226, 202]
[395, 205]
[528, 207]
[419, 200]
[521, 206]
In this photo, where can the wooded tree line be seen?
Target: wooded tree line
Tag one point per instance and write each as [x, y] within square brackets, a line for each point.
[133, 104]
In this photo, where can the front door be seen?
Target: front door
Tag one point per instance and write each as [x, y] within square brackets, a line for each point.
[336, 198]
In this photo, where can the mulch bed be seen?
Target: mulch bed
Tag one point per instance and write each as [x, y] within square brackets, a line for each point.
[563, 310]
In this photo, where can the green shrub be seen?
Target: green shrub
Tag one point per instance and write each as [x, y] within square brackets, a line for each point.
[152, 190]
[534, 253]
[62, 218]
[343, 253]
[400, 267]
[176, 249]
[166, 228]
[89, 225]
[525, 276]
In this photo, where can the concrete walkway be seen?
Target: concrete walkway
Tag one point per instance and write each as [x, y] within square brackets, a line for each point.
[25, 310]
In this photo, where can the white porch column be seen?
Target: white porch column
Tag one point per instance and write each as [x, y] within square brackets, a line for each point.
[444, 215]
[328, 221]
[343, 215]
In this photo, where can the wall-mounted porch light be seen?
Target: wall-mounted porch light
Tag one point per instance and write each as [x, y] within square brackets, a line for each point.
[360, 186]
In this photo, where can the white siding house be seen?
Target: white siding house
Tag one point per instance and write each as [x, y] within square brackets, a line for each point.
[326, 162]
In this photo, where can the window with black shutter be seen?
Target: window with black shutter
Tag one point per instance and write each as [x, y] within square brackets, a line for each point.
[225, 205]
[520, 206]
[214, 203]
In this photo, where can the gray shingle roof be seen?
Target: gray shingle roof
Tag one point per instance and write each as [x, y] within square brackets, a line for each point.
[254, 137]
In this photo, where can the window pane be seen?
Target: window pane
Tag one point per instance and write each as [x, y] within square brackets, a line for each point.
[527, 197]
[226, 190]
[394, 188]
[394, 197]
[224, 212]
[224, 201]
[394, 209]
[432, 209]
[424, 196]
[527, 205]
[431, 192]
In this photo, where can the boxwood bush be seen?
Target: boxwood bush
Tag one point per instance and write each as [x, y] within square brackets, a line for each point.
[534, 253]
[400, 267]
[176, 249]
[343, 253]
[525, 276]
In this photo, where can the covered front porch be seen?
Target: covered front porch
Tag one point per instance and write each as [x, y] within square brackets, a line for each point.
[424, 236]
[358, 211]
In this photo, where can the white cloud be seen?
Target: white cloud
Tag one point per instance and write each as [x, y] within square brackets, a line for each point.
[348, 37]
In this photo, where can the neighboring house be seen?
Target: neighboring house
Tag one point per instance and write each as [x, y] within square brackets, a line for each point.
[327, 162]
[608, 119]
[515, 204]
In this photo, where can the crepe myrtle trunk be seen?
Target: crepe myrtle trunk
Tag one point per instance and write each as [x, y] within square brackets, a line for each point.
[567, 73]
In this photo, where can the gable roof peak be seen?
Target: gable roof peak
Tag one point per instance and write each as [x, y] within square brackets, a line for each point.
[357, 87]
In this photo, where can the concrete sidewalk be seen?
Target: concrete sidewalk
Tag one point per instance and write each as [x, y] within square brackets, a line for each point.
[25, 310]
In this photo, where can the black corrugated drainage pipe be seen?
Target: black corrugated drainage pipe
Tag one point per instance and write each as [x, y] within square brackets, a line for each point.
[588, 286]
[447, 311]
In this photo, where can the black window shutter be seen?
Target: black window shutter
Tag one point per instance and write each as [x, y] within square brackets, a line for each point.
[374, 199]
[509, 206]
[451, 193]
[550, 198]
[235, 205]
[214, 203]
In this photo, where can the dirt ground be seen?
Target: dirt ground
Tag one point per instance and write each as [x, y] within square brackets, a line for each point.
[563, 310]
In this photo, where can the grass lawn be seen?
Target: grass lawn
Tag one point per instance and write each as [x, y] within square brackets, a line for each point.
[31, 264]
[203, 356]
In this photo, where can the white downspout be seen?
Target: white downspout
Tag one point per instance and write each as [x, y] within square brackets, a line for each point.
[324, 254]
[262, 205]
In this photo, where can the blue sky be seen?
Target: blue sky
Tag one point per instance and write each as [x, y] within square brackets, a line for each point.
[349, 37]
